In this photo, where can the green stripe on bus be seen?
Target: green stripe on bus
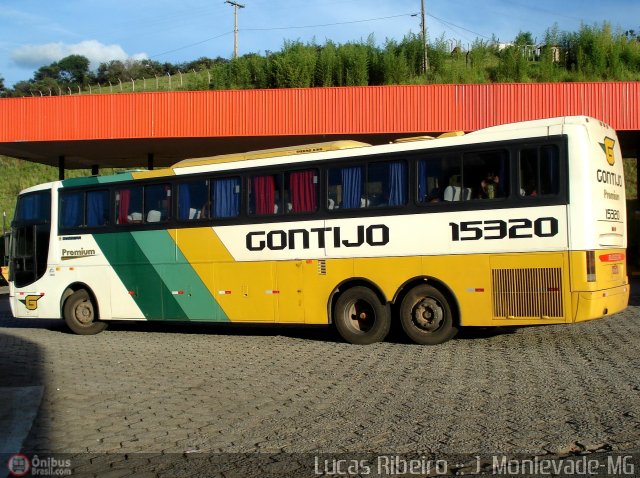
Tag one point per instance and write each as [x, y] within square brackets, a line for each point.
[179, 277]
[138, 276]
[164, 285]
[95, 180]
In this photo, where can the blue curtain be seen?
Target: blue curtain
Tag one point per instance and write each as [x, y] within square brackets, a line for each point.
[422, 181]
[184, 201]
[72, 209]
[397, 184]
[351, 187]
[97, 208]
[34, 207]
[226, 197]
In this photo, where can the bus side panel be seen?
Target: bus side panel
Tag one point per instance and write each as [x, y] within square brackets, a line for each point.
[238, 291]
[158, 277]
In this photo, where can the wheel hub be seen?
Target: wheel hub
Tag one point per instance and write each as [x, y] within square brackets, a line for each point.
[362, 316]
[84, 313]
[428, 315]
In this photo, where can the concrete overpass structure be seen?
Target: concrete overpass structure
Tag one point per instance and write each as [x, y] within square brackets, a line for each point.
[158, 129]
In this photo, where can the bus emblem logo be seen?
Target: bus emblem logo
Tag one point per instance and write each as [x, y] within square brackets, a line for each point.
[31, 301]
[607, 147]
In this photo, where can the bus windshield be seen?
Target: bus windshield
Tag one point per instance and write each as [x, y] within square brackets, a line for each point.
[30, 231]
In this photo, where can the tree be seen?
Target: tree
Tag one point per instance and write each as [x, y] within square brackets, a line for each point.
[524, 38]
[47, 71]
[2, 88]
[74, 69]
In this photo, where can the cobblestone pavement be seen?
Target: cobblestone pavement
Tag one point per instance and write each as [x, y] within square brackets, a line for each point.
[160, 389]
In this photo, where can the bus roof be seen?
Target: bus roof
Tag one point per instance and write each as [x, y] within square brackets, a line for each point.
[269, 153]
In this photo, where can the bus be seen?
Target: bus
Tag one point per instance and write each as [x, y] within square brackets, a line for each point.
[512, 225]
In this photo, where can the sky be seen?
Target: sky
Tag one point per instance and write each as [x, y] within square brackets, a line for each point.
[34, 33]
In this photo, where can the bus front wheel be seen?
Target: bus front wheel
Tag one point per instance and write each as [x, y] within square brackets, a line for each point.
[426, 316]
[80, 314]
[360, 317]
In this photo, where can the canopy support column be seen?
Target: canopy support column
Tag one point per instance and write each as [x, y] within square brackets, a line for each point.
[60, 168]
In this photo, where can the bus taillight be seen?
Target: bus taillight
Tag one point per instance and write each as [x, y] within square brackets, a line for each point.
[591, 266]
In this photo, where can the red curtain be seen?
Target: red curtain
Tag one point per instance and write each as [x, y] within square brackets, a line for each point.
[123, 208]
[264, 195]
[303, 191]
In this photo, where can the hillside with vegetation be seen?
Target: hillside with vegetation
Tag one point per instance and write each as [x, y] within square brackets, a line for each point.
[593, 53]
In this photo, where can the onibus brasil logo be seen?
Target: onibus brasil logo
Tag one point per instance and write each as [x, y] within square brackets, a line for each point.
[20, 465]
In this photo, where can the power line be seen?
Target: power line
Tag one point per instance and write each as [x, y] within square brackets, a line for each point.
[458, 26]
[280, 28]
[190, 45]
[326, 24]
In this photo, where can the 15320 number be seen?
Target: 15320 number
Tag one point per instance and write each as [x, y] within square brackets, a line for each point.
[499, 229]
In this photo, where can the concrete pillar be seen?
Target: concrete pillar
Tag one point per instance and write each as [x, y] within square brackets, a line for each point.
[150, 161]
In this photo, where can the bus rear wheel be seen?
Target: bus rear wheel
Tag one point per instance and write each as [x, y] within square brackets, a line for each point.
[360, 317]
[80, 314]
[426, 316]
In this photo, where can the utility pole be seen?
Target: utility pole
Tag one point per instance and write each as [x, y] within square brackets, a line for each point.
[236, 5]
[423, 26]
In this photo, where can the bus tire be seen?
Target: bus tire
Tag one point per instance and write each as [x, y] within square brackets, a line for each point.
[80, 314]
[425, 315]
[360, 317]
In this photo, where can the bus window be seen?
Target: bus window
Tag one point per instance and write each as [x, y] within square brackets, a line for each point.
[34, 207]
[193, 201]
[71, 209]
[439, 180]
[486, 174]
[539, 171]
[549, 170]
[301, 191]
[157, 203]
[225, 197]
[264, 195]
[387, 184]
[97, 207]
[346, 187]
[128, 205]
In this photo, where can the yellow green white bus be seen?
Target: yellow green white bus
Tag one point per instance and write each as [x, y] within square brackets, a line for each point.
[518, 224]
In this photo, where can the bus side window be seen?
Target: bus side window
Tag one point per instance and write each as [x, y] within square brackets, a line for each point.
[528, 172]
[439, 179]
[387, 184]
[301, 191]
[193, 201]
[97, 208]
[71, 209]
[128, 205]
[225, 197]
[346, 188]
[549, 170]
[265, 198]
[539, 171]
[486, 174]
[157, 203]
